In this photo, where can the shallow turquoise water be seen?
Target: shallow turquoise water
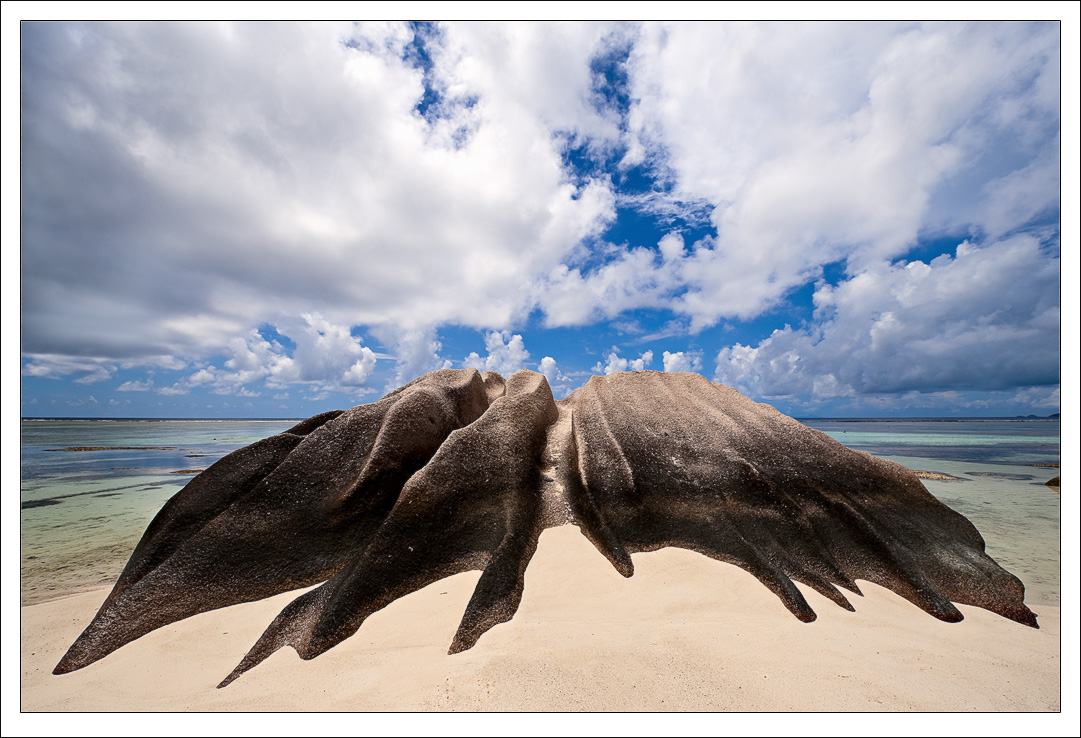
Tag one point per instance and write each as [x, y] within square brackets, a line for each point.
[84, 511]
[1000, 466]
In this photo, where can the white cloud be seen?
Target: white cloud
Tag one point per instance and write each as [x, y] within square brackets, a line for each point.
[98, 374]
[1021, 195]
[549, 369]
[616, 363]
[357, 375]
[986, 319]
[506, 354]
[1041, 397]
[324, 351]
[416, 352]
[819, 142]
[248, 171]
[537, 74]
[325, 356]
[136, 386]
[631, 280]
[54, 366]
[681, 361]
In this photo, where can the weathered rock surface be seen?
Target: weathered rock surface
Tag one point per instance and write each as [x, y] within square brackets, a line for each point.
[460, 471]
[284, 513]
[676, 460]
[474, 506]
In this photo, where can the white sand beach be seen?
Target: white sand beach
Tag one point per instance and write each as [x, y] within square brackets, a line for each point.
[685, 633]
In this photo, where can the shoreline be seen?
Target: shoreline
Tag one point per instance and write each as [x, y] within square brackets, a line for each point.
[55, 563]
[39, 584]
[685, 633]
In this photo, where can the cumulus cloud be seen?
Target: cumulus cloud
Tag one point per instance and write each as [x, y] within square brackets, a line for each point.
[324, 356]
[677, 361]
[986, 319]
[616, 363]
[324, 351]
[548, 368]
[416, 352]
[824, 142]
[633, 279]
[682, 361]
[506, 354]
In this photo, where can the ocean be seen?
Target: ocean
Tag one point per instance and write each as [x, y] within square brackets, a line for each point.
[1001, 468]
[89, 488]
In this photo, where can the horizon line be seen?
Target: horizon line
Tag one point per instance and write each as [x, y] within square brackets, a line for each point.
[1050, 416]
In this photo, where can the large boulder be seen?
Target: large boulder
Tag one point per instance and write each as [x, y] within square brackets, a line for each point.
[461, 471]
[284, 513]
[672, 459]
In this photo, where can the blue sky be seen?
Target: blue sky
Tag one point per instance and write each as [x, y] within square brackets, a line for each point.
[272, 220]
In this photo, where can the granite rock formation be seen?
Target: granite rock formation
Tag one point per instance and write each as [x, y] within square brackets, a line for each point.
[460, 471]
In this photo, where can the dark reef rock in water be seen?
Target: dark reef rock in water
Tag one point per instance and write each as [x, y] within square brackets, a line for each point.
[460, 471]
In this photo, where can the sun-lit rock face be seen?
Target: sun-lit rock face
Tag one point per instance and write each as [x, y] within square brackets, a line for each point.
[460, 471]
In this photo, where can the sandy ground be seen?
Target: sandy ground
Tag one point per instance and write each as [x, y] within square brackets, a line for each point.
[685, 633]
